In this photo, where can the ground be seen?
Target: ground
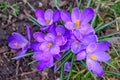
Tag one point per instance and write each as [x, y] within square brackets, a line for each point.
[13, 17]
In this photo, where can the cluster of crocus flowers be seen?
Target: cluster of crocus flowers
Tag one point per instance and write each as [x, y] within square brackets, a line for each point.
[60, 32]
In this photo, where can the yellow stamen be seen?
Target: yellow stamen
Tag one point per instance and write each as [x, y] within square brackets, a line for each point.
[93, 57]
[47, 20]
[75, 40]
[77, 23]
[49, 44]
[16, 44]
[59, 34]
[23, 43]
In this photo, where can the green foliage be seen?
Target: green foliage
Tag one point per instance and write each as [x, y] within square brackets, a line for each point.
[116, 7]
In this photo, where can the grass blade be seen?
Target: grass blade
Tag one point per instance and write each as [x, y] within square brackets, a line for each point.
[115, 50]
[113, 73]
[99, 28]
[69, 75]
[25, 55]
[62, 72]
[88, 4]
[32, 62]
[56, 4]
[33, 9]
[68, 57]
[109, 35]
[66, 54]
[96, 11]
[78, 3]
[111, 65]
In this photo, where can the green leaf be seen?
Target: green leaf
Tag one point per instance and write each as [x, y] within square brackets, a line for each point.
[65, 60]
[99, 28]
[32, 62]
[33, 9]
[24, 55]
[115, 50]
[88, 4]
[64, 56]
[113, 73]
[109, 35]
[69, 75]
[109, 64]
[62, 72]
[56, 4]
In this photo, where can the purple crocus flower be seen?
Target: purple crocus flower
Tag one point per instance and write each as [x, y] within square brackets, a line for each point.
[18, 41]
[45, 59]
[78, 45]
[48, 42]
[95, 52]
[47, 18]
[77, 22]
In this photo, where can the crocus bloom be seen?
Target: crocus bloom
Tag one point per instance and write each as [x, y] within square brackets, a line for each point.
[47, 18]
[78, 45]
[18, 41]
[45, 59]
[95, 52]
[48, 42]
[78, 21]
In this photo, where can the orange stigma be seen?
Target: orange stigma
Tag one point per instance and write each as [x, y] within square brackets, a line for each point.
[49, 44]
[59, 34]
[75, 40]
[47, 20]
[77, 23]
[16, 44]
[92, 56]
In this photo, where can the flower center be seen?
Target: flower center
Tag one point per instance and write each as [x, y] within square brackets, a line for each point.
[59, 34]
[77, 23]
[23, 43]
[92, 56]
[47, 20]
[49, 44]
[75, 40]
[16, 44]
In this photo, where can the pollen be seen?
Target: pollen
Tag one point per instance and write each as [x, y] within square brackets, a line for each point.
[75, 40]
[49, 44]
[59, 34]
[92, 56]
[47, 20]
[77, 23]
[16, 44]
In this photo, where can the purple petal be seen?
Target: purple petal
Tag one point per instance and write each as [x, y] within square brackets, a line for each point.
[57, 56]
[67, 66]
[50, 62]
[75, 14]
[91, 48]
[43, 28]
[44, 56]
[86, 29]
[55, 50]
[95, 67]
[20, 53]
[89, 38]
[75, 47]
[39, 36]
[65, 16]
[60, 30]
[81, 55]
[69, 25]
[19, 37]
[48, 14]
[102, 56]
[52, 29]
[86, 15]
[60, 40]
[39, 13]
[41, 65]
[35, 46]
[56, 15]
[102, 46]
[44, 47]
[41, 21]
[66, 46]
[28, 32]
[77, 34]
[49, 37]
[15, 44]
